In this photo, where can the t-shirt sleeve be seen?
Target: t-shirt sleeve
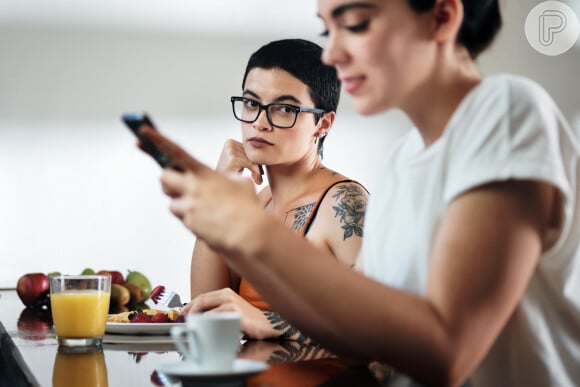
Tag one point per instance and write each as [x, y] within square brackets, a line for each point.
[508, 130]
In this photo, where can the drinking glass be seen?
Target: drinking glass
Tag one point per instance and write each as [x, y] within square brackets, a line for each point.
[79, 306]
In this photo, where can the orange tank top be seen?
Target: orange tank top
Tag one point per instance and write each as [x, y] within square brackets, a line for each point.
[246, 291]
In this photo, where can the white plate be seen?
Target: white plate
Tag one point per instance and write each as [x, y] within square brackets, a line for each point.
[190, 376]
[137, 339]
[140, 328]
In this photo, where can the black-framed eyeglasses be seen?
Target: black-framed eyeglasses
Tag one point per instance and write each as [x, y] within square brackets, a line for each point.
[280, 115]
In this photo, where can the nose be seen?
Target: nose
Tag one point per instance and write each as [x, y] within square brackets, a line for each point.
[333, 53]
[262, 123]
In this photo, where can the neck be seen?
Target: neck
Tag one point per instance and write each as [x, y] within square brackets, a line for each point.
[290, 181]
[431, 107]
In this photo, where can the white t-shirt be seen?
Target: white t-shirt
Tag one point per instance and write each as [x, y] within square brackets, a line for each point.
[506, 128]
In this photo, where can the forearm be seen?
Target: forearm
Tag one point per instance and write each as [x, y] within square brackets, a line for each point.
[405, 331]
[208, 270]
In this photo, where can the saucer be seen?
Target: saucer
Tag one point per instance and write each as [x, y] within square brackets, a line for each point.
[190, 376]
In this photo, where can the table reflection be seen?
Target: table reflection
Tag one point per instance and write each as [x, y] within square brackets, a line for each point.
[30, 356]
[76, 368]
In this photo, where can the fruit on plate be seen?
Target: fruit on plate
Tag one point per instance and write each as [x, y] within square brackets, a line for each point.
[33, 289]
[146, 316]
[139, 279]
[116, 276]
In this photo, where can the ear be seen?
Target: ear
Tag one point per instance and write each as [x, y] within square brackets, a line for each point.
[325, 123]
[447, 19]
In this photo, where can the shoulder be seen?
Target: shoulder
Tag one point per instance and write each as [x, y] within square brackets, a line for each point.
[346, 187]
[503, 105]
[513, 92]
[345, 202]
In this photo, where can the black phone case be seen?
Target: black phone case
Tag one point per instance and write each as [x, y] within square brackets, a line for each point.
[134, 121]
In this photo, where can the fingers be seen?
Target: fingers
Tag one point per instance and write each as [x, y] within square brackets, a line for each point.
[233, 158]
[257, 173]
[177, 155]
[173, 183]
[222, 299]
[185, 309]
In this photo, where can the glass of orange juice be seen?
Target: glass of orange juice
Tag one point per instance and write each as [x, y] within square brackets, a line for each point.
[80, 304]
[87, 369]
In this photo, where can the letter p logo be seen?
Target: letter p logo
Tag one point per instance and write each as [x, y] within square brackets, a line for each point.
[551, 22]
[552, 28]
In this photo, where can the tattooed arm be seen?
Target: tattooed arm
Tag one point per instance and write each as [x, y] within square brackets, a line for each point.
[338, 226]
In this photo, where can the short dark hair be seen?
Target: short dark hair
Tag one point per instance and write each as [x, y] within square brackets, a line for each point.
[481, 22]
[302, 59]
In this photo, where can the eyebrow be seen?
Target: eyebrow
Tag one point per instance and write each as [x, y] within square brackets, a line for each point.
[338, 11]
[281, 98]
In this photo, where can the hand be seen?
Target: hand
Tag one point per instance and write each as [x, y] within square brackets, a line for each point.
[219, 210]
[254, 324]
[234, 159]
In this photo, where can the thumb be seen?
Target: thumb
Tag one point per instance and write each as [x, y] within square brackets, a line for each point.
[257, 172]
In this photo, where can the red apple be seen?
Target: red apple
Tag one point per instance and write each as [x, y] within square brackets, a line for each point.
[33, 289]
[116, 276]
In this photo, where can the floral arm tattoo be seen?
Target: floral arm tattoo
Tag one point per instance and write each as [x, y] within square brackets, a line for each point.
[350, 206]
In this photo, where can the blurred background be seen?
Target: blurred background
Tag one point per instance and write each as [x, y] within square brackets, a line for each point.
[75, 192]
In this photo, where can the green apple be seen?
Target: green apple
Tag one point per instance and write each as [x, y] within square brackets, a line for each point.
[139, 279]
[88, 271]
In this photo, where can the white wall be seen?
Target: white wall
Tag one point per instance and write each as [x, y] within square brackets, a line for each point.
[74, 190]
[82, 195]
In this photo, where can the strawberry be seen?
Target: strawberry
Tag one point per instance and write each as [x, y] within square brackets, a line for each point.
[160, 318]
[140, 317]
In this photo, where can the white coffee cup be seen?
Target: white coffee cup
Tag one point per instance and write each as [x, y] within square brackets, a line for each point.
[209, 341]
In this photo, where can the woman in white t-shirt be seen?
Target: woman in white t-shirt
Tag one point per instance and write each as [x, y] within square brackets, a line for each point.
[471, 237]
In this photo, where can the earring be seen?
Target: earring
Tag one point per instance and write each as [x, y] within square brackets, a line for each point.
[315, 139]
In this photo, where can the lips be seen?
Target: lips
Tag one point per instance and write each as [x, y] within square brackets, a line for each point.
[352, 84]
[259, 142]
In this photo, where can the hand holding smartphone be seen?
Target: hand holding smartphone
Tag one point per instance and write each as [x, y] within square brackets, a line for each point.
[135, 121]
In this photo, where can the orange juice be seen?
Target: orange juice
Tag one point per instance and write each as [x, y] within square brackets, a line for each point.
[80, 313]
[80, 369]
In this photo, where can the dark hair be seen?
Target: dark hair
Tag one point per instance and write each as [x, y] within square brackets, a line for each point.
[481, 22]
[302, 59]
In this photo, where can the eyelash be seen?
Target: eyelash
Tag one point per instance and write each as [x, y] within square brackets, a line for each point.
[361, 27]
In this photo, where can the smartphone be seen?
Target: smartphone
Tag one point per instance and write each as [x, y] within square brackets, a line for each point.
[135, 121]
